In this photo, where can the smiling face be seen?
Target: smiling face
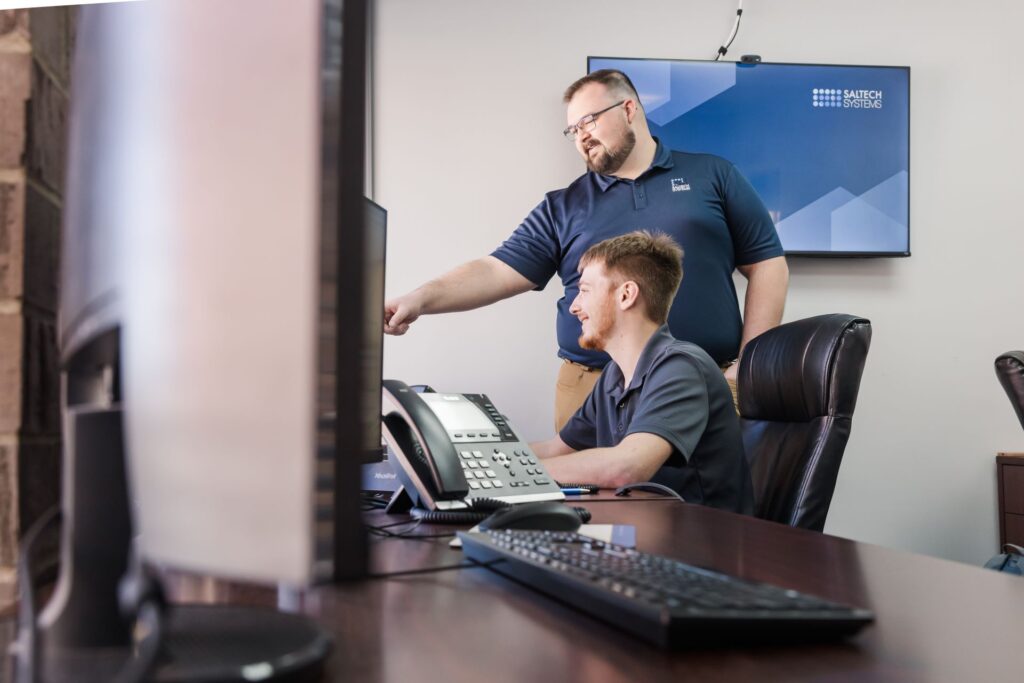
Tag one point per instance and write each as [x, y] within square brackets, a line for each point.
[595, 307]
[606, 148]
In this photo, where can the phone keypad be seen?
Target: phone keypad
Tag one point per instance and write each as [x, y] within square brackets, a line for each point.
[503, 468]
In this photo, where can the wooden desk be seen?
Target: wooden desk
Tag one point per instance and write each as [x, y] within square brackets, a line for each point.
[936, 620]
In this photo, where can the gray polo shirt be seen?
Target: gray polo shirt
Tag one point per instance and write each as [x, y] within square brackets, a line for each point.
[678, 393]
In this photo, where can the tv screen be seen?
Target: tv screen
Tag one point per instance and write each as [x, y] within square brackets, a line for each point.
[826, 147]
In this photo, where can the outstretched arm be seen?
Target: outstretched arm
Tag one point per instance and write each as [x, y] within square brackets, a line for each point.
[471, 285]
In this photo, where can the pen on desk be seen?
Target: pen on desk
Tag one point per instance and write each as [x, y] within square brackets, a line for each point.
[573, 491]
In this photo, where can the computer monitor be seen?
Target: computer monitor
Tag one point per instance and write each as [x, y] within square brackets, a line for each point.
[375, 230]
[214, 220]
[826, 146]
[245, 160]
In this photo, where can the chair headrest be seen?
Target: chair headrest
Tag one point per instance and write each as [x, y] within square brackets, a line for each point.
[1010, 371]
[804, 369]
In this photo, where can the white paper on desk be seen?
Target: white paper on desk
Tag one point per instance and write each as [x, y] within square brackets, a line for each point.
[619, 534]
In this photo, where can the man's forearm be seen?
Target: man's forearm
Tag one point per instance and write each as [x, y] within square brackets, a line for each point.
[474, 284]
[636, 458]
[767, 283]
[551, 448]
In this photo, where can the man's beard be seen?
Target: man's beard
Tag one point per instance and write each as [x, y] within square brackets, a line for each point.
[598, 337]
[610, 159]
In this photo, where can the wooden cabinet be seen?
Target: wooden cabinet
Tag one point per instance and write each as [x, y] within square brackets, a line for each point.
[1010, 473]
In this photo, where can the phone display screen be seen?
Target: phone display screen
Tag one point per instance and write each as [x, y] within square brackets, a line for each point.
[457, 414]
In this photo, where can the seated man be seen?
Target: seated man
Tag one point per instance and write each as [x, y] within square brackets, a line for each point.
[661, 411]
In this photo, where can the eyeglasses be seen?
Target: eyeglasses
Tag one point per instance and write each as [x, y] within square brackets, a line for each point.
[587, 123]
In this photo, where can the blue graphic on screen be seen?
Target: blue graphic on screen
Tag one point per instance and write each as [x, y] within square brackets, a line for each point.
[826, 147]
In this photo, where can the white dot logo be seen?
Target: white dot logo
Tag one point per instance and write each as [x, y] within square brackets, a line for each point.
[826, 97]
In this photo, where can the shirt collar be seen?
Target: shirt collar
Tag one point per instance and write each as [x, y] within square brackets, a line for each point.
[661, 337]
[662, 159]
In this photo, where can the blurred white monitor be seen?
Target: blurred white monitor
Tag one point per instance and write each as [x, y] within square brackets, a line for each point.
[214, 209]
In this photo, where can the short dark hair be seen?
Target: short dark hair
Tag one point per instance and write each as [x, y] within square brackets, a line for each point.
[613, 79]
[651, 259]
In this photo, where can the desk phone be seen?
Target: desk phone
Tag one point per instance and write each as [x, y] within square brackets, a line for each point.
[454, 448]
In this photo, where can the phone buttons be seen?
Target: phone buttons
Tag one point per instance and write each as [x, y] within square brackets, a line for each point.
[474, 485]
[486, 484]
[498, 484]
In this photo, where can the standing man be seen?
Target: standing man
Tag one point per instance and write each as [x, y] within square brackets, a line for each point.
[632, 182]
[661, 410]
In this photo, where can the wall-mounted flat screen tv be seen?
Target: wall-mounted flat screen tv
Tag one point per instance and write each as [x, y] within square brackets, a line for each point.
[827, 147]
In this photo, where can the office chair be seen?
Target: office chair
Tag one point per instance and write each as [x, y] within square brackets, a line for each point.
[1010, 371]
[798, 386]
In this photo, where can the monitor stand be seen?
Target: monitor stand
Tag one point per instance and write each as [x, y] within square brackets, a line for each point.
[82, 635]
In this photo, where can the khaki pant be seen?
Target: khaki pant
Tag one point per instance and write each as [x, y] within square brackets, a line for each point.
[735, 392]
[575, 382]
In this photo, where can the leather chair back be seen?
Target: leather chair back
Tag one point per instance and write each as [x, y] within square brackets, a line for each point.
[798, 387]
[1010, 371]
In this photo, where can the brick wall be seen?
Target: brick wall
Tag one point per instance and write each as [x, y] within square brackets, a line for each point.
[35, 62]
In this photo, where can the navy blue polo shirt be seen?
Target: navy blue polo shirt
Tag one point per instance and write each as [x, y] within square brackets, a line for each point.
[678, 393]
[701, 200]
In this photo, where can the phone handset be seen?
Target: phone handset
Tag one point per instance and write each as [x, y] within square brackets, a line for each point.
[426, 454]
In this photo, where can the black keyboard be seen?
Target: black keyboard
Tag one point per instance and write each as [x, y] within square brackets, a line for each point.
[667, 602]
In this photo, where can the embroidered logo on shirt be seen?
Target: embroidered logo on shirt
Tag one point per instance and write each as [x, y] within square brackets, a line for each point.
[680, 185]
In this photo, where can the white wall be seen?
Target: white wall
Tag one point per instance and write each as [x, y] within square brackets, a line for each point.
[468, 116]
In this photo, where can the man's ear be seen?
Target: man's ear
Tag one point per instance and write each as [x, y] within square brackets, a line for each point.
[628, 295]
[631, 110]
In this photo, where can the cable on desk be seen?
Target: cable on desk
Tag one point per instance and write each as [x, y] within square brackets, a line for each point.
[431, 570]
[383, 531]
[373, 501]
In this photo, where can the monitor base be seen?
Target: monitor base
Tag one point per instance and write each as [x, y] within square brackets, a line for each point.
[210, 643]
